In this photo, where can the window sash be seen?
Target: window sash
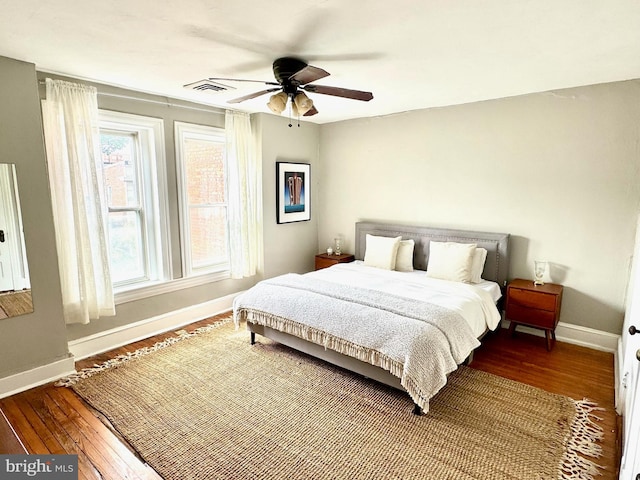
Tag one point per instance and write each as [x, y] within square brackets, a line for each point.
[132, 268]
[212, 251]
[191, 238]
[146, 202]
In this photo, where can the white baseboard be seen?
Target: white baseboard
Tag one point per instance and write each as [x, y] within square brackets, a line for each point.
[35, 377]
[116, 337]
[577, 335]
[110, 339]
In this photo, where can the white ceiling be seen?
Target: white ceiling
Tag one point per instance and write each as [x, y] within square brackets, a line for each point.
[411, 54]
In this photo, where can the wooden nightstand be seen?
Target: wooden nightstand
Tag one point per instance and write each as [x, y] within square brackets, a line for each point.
[536, 306]
[324, 260]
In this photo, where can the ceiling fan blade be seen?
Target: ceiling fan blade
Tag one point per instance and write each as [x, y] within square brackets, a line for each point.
[252, 95]
[339, 92]
[216, 79]
[308, 74]
[313, 111]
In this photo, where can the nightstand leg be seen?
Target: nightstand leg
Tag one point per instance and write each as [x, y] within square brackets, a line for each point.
[512, 328]
[548, 335]
[253, 338]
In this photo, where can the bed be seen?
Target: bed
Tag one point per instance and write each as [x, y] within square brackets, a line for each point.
[407, 329]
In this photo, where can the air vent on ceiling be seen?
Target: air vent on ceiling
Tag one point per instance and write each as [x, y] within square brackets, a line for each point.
[208, 86]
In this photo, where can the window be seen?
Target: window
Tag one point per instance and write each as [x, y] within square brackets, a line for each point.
[134, 172]
[200, 155]
[133, 165]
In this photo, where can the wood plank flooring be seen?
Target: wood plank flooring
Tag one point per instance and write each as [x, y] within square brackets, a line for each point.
[55, 420]
[570, 370]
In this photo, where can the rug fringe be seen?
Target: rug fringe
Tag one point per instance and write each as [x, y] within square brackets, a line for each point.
[582, 441]
[124, 358]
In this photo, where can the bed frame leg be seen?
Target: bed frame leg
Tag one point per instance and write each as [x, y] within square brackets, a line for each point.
[468, 360]
[253, 338]
[416, 409]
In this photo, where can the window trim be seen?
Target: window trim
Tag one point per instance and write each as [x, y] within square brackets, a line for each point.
[205, 132]
[168, 286]
[154, 176]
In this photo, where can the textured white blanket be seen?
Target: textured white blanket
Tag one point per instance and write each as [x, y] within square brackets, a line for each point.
[419, 342]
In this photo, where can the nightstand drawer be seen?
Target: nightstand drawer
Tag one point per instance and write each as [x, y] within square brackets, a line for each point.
[531, 316]
[530, 299]
[534, 305]
[324, 262]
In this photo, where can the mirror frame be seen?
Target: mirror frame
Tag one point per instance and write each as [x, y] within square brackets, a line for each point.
[15, 283]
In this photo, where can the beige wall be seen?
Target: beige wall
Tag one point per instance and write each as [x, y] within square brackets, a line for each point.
[39, 338]
[288, 247]
[558, 171]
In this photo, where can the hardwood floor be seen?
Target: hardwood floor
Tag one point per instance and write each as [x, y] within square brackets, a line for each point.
[570, 370]
[55, 420]
[9, 441]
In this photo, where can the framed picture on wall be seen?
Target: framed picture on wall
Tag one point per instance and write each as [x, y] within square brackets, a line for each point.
[293, 193]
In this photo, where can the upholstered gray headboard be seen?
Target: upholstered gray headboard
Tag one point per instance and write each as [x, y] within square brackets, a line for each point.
[496, 267]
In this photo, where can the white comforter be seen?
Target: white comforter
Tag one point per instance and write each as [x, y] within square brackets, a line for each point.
[410, 327]
[475, 303]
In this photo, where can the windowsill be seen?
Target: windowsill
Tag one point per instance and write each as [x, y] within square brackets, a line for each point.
[158, 288]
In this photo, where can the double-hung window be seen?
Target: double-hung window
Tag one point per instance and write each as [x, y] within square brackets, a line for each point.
[203, 199]
[136, 193]
[133, 168]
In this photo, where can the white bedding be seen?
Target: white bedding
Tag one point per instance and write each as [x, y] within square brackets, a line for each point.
[476, 303]
[419, 342]
[416, 327]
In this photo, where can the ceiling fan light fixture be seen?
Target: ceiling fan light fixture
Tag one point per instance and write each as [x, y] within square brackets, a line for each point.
[303, 103]
[293, 76]
[278, 102]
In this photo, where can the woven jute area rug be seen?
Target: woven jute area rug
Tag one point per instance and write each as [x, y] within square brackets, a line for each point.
[210, 405]
[16, 303]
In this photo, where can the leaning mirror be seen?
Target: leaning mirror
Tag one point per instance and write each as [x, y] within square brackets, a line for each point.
[15, 286]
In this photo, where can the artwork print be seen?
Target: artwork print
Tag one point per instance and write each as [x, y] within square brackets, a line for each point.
[293, 196]
[293, 192]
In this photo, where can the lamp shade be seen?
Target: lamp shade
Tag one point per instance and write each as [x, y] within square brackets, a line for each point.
[278, 102]
[303, 103]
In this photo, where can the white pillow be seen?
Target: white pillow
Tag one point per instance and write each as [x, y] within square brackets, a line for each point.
[450, 261]
[479, 257]
[404, 259]
[381, 252]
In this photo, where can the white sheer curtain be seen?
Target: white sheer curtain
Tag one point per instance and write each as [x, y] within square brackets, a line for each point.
[245, 195]
[72, 138]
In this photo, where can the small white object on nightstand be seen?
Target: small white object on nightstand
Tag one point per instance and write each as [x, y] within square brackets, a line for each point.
[338, 245]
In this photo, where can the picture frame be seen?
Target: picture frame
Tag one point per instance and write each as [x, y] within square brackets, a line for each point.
[293, 192]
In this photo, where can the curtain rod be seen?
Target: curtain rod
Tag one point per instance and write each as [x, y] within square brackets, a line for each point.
[147, 100]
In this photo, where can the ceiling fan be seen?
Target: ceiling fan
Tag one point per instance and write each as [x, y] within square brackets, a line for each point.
[294, 75]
